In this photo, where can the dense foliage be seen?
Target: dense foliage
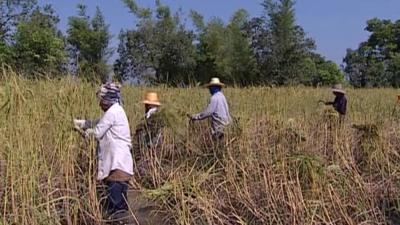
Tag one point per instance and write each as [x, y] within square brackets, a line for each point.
[39, 45]
[163, 47]
[88, 40]
[271, 49]
[159, 49]
[376, 62]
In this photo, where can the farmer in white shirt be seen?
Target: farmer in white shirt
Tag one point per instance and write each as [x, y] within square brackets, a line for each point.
[115, 163]
[217, 109]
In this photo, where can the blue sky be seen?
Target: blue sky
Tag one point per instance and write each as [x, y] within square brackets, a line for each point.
[335, 25]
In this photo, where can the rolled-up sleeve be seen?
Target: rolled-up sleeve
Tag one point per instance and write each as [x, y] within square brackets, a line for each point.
[208, 111]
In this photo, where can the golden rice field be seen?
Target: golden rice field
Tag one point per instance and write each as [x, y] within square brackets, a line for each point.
[286, 159]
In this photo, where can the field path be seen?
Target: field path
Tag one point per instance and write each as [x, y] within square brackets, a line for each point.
[145, 211]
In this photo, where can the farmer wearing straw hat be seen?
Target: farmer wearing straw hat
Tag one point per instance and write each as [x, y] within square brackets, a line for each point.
[148, 133]
[217, 109]
[115, 162]
[340, 102]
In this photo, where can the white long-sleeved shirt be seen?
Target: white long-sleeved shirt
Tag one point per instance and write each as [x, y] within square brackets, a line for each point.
[218, 110]
[114, 136]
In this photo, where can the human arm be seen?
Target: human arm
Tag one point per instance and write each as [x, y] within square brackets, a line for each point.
[207, 112]
[85, 124]
[103, 125]
[335, 101]
[325, 103]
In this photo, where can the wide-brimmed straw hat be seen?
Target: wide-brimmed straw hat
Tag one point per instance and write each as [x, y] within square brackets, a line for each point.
[338, 88]
[215, 82]
[151, 98]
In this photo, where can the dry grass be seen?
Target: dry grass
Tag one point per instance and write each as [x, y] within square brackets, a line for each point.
[270, 169]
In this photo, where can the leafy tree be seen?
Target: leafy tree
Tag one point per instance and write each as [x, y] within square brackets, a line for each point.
[124, 67]
[5, 53]
[260, 36]
[324, 72]
[241, 59]
[11, 13]
[283, 52]
[225, 51]
[376, 61]
[393, 69]
[88, 40]
[39, 45]
[159, 49]
[210, 51]
[364, 71]
[328, 73]
[287, 45]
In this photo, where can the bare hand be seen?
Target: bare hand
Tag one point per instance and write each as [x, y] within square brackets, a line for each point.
[79, 124]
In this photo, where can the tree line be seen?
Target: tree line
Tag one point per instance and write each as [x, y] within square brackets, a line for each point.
[162, 48]
[376, 62]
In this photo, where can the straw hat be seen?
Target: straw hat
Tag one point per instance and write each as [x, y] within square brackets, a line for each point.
[151, 98]
[215, 82]
[338, 88]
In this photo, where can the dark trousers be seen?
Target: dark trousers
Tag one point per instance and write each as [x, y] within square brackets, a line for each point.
[116, 196]
[218, 136]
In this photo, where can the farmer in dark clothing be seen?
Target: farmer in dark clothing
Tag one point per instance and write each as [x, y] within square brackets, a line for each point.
[148, 134]
[340, 102]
